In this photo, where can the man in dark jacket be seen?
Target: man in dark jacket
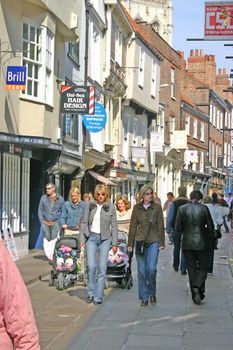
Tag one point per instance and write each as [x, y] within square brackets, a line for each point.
[195, 227]
[170, 225]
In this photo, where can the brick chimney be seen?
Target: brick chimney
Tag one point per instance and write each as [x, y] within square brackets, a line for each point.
[183, 62]
[202, 67]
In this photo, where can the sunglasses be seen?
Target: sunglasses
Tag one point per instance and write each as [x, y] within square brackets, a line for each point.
[148, 193]
[100, 194]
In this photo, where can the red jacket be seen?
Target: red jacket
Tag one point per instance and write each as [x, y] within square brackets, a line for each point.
[17, 323]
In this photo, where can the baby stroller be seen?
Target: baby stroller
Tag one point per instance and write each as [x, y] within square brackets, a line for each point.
[119, 264]
[65, 263]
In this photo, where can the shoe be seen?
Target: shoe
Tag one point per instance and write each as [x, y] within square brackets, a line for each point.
[89, 300]
[183, 273]
[153, 300]
[95, 302]
[175, 269]
[144, 302]
[196, 296]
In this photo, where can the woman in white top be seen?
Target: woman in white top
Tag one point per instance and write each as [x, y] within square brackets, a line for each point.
[98, 232]
[124, 213]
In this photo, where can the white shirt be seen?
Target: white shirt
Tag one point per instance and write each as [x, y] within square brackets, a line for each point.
[95, 227]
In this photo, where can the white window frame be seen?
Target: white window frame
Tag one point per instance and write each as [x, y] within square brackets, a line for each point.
[173, 86]
[141, 70]
[195, 128]
[202, 132]
[153, 78]
[38, 57]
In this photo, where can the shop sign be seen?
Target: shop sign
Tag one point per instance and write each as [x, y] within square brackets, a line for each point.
[77, 99]
[156, 141]
[138, 152]
[179, 140]
[191, 156]
[16, 78]
[97, 121]
[218, 20]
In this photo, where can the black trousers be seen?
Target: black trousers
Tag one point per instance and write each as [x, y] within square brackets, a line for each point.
[197, 262]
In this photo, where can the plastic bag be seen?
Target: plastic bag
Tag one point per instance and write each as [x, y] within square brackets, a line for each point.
[49, 247]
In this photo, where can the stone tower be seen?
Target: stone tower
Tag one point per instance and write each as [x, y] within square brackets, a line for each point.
[156, 12]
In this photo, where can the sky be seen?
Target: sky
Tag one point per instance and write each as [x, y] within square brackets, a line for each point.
[188, 22]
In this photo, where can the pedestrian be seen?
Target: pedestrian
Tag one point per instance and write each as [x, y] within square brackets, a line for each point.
[98, 232]
[156, 198]
[216, 215]
[224, 210]
[178, 256]
[49, 212]
[146, 231]
[124, 212]
[17, 323]
[170, 198]
[72, 213]
[86, 197]
[195, 227]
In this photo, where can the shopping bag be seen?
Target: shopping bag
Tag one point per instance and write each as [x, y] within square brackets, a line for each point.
[8, 239]
[49, 247]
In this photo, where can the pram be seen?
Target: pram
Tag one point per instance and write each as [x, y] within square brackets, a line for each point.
[66, 263]
[120, 272]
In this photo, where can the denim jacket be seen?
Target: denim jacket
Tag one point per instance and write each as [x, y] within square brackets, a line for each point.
[72, 214]
[48, 212]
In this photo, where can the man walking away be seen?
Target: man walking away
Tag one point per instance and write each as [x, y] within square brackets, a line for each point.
[178, 257]
[195, 227]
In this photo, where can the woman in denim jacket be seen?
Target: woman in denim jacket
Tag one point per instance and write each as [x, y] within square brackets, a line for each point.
[98, 232]
[72, 212]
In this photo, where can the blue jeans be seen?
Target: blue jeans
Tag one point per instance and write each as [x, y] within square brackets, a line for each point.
[147, 270]
[95, 286]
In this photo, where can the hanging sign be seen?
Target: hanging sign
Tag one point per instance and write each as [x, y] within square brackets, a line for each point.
[77, 99]
[156, 141]
[179, 140]
[97, 121]
[218, 20]
[16, 78]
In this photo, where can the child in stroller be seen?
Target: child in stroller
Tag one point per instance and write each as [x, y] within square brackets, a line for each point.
[65, 262]
[119, 264]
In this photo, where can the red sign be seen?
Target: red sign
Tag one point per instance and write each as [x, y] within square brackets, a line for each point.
[219, 20]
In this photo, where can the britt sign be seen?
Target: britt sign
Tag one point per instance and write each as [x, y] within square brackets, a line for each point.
[78, 99]
[16, 78]
[219, 20]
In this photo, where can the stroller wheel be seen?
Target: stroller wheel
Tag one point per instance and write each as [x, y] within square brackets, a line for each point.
[60, 281]
[51, 278]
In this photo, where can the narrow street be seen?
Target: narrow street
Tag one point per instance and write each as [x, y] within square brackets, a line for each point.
[66, 322]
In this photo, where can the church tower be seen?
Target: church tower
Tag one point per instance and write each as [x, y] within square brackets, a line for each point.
[156, 12]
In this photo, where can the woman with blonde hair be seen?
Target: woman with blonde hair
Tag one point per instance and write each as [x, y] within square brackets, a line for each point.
[146, 232]
[72, 212]
[123, 211]
[98, 232]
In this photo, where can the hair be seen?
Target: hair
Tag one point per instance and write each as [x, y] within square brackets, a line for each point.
[73, 190]
[125, 200]
[86, 195]
[170, 194]
[102, 188]
[196, 195]
[143, 191]
[182, 191]
[207, 200]
[214, 198]
[50, 184]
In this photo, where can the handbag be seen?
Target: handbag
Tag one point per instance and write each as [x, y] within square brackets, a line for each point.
[141, 245]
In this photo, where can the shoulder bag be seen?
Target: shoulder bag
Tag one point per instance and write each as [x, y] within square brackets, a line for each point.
[140, 246]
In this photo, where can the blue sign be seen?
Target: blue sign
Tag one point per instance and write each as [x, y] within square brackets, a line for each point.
[16, 77]
[97, 121]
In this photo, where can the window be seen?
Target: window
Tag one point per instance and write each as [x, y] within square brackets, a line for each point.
[135, 131]
[211, 114]
[202, 132]
[187, 124]
[38, 57]
[194, 128]
[201, 166]
[94, 54]
[153, 78]
[73, 52]
[173, 83]
[71, 126]
[141, 67]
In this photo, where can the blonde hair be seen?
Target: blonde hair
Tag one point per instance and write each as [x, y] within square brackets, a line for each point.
[143, 191]
[104, 189]
[73, 190]
[125, 200]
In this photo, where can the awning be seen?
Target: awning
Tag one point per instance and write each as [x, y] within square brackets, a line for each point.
[101, 178]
